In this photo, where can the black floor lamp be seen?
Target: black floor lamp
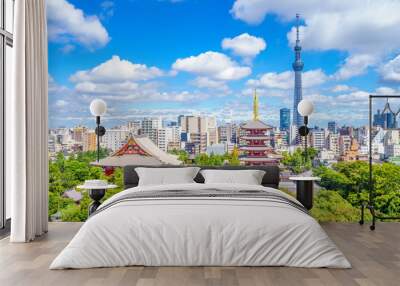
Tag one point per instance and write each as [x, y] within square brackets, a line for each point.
[98, 107]
[370, 204]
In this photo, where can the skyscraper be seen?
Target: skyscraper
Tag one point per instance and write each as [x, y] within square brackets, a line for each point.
[332, 126]
[297, 67]
[284, 119]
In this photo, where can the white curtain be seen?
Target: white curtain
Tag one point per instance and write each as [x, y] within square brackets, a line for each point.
[26, 124]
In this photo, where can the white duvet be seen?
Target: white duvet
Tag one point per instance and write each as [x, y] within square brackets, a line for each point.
[200, 231]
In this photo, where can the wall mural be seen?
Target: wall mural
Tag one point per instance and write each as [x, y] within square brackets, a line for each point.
[191, 85]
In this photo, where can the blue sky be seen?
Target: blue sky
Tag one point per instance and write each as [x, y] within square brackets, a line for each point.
[164, 58]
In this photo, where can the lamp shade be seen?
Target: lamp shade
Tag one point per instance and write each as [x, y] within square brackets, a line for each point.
[305, 107]
[98, 107]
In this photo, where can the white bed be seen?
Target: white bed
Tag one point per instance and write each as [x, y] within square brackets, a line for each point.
[202, 231]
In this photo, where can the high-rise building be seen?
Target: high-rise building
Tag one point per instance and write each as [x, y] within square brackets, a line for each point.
[212, 131]
[284, 119]
[201, 131]
[149, 128]
[134, 126]
[168, 135]
[385, 119]
[344, 143]
[77, 133]
[180, 117]
[114, 139]
[297, 67]
[333, 143]
[332, 127]
[318, 139]
[89, 141]
[225, 133]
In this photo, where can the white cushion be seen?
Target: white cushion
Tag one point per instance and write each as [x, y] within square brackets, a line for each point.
[248, 177]
[166, 176]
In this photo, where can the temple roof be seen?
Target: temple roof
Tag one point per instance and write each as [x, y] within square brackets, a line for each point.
[255, 124]
[139, 150]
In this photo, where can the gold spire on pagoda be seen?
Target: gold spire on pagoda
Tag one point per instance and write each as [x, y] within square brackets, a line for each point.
[255, 106]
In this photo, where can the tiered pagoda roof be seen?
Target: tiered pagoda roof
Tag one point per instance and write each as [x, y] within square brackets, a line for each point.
[139, 150]
[256, 124]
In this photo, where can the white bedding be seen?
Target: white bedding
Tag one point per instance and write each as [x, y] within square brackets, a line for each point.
[200, 231]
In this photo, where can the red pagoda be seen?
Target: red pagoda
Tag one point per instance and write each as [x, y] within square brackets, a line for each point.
[256, 141]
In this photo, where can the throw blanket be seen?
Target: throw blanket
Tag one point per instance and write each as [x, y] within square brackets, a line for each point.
[204, 194]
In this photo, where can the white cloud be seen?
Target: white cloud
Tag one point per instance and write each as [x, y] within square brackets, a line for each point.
[265, 92]
[106, 88]
[356, 26]
[245, 45]
[345, 100]
[54, 88]
[205, 82]
[384, 90]
[313, 78]
[155, 96]
[67, 24]
[285, 80]
[341, 88]
[117, 70]
[355, 65]
[61, 103]
[390, 71]
[213, 65]
[121, 81]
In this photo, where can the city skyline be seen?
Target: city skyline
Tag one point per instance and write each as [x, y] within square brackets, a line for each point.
[205, 71]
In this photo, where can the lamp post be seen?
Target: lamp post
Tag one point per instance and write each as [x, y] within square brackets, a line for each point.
[305, 108]
[98, 107]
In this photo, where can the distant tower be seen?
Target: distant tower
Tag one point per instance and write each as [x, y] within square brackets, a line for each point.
[297, 67]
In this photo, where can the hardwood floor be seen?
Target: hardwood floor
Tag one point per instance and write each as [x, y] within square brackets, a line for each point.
[375, 257]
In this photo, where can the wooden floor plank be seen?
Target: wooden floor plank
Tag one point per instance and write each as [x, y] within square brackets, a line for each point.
[375, 257]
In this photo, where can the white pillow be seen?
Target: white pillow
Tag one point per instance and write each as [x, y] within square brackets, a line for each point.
[249, 177]
[166, 176]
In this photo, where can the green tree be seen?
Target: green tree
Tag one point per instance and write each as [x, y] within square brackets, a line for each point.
[182, 155]
[65, 174]
[351, 179]
[330, 206]
[297, 161]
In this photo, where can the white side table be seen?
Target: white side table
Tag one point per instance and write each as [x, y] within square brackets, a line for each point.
[305, 189]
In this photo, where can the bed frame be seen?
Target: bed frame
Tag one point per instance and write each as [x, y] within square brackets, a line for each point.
[270, 179]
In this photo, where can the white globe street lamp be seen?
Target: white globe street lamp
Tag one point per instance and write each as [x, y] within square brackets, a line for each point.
[98, 107]
[305, 108]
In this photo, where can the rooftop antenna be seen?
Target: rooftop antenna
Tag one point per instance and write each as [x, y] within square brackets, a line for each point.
[297, 29]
